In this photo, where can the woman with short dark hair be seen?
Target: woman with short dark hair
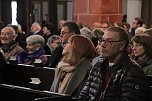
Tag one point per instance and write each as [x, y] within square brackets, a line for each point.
[142, 52]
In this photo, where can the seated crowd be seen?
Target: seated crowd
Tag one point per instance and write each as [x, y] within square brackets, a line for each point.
[101, 63]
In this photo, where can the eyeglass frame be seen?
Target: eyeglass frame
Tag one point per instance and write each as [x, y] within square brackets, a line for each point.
[58, 43]
[108, 42]
[62, 32]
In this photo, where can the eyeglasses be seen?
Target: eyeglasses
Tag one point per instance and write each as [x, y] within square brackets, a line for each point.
[58, 43]
[62, 32]
[108, 42]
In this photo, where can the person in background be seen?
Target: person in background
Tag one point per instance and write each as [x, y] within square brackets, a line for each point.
[68, 29]
[105, 25]
[96, 35]
[96, 25]
[126, 26]
[36, 29]
[137, 22]
[86, 32]
[20, 29]
[21, 37]
[139, 30]
[53, 42]
[9, 48]
[34, 51]
[117, 77]
[148, 31]
[142, 52]
[61, 22]
[72, 70]
[48, 31]
[99, 58]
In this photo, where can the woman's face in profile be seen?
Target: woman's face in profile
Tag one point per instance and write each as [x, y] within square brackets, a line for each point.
[138, 49]
[67, 48]
[31, 48]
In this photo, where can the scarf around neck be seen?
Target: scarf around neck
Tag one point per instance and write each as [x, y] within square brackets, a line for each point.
[63, 75]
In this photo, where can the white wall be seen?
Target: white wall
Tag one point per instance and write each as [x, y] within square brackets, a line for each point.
[124, 7]
[133, 10]
[70, 10]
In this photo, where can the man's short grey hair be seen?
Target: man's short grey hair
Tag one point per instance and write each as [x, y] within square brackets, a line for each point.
[86, 32]
[35, 40]
[122, 34]
[53, 38]
[36, 24]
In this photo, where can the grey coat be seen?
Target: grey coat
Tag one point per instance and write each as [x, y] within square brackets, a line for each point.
[148, 67]
[79, 76]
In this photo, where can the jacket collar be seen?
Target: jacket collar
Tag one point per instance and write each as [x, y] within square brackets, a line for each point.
[121, 62]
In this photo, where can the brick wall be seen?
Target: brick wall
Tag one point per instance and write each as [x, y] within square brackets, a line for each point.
[89, 11]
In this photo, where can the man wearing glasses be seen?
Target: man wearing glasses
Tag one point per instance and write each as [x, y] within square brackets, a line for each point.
[68, 29]
[116, 78]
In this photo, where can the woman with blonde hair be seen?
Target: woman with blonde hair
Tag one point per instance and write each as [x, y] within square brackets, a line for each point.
[72, 70]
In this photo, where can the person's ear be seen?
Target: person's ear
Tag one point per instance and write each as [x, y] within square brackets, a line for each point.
[14, 37]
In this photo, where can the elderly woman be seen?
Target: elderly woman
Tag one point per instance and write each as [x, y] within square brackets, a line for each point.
[34, 50]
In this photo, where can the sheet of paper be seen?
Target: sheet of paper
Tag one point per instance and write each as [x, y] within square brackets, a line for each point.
[35, 81]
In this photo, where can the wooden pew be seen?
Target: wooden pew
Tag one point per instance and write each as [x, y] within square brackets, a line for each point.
[20, 75]
[17, 93]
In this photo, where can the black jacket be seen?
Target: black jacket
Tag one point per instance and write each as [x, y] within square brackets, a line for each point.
[127, 82]
[55, 57]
